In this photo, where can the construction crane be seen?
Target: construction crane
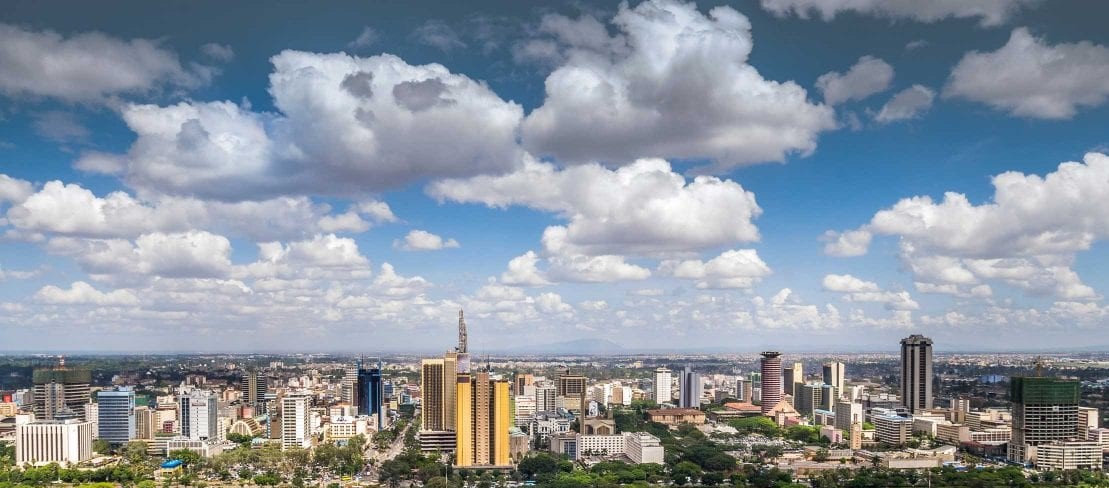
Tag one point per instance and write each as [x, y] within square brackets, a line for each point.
[1038, 361]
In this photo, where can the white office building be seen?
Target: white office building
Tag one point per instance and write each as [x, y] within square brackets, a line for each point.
[663, 394]
[296, 422]
[199, 415]
[65, 442]
[642, 448]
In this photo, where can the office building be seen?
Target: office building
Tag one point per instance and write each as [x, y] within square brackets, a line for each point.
[771, 380]
[643, 448]
[1044, 410]
[809, 398]
[65, 442]
[254, 387]
[199, 415]
[662, 386]
[483, 410]
[146, 422]
[347, 391]
[892, 429]
[1068, 455]
[1088, 419]
[525, 410]
[546, 398]
[115, 420]
[60, 388]
[371, 393]
[792, 378]
[916, 373]
[834, 375]
[570, 389]
[692, 389]
[432, 378]
[848, 413]
[523, 380]
[296, 426]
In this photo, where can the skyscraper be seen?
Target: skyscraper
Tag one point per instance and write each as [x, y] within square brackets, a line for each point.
[792, 378]
[347, 389]
[1044, 410]
[371, 393]
[522, 380]
[662, 386]
[771, 385]
[431, 385]
[484, 415]
[199, 415]
[254, 388]
[834, 375]
[916, 373]
[296, 422]
[546, 398]
[116, 415]
[692, 389]
[60, 388]
[571, 389]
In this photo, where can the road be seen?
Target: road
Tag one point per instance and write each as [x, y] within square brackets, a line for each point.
[374, 457]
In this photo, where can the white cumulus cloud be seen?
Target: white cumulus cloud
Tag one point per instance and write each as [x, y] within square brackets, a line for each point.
[868, 76]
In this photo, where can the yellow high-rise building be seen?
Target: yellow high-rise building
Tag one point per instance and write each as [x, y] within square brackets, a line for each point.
[483, 411]
[450, 370]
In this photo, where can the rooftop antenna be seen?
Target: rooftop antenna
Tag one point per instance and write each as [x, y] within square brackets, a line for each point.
[461, 332]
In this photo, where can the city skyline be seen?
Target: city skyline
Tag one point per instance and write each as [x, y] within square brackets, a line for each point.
[660, 175]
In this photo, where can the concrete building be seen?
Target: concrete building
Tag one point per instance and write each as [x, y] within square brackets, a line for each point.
[692, 389]
[1044, 410]
[116, 415]
[916, 373]
[205, 448]
[1088, 418]
[643, 448]
[432, 388]
[65, 442]
[199, 415]
[848, 413]
[676, 416]
[525, 410]
[546, 398]
[809, 397]
[1066, 455]
[60, 388]
[254, 387]
[771, 381]
[296, 418]
[483, 412]
[792, 378]
[570, 389]
[523, 380]
[146, 422]
[662, 386]
[892, 429]
[834, 374]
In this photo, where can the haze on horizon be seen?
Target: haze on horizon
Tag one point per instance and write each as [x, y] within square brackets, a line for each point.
[664, 175]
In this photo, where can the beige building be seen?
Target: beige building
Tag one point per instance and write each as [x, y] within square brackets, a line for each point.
[676, 416]
[296, 422]
[146, 422]
[482, 407]
[1066, 455]
[66, 442]
[643, 448]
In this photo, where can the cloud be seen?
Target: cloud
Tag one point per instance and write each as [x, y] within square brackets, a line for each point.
[58, 126]
[71, 210]
[642, 208]
[868, 76]
[845, 244]
[193, 254]
[1029, 78]
[365, 39]
[1027, 236]
[673, 83]
[737, 268]
[438, 34]
[81, 293]
[218, 52]
[14, 190]
[421, 240]
[523, 271]
[48, 64]
[857, 290]
[342, 130]
[988, 12]
[907, 104]
[324, 256]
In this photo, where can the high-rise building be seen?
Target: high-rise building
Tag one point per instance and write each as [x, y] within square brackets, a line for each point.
[199, 415]
[546, 398]
[1088, 419]
[523, 380]
[1044, 410]
[771, 385]
[116, 415]
[484, 414]
[814, 395]
[916, 373]
[53, 441]
[371, 393]
[792, 378]
[571, 388]
[663, 382]
[692, 389]
[254, 387]
[61, 388]
[835, 375]
[432, 377]
[848, 413]
[347, 389]
[296, 422]
[146, 422]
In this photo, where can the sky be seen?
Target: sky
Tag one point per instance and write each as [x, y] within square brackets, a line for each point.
[668, 176]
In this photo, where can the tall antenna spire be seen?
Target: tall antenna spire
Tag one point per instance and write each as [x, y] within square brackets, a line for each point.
[461, 332]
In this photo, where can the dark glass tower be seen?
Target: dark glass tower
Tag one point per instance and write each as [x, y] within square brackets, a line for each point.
[371, 393]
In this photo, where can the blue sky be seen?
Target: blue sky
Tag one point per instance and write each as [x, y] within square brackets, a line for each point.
[710, 175]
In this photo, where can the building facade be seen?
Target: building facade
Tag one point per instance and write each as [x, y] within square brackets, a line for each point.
[254, 387]
[199, 415]
[663, 382]
[916, 373]
[1044, 410]
[296, 422]
[60, 389]
[116, 415]
[65, 442]
[771, 382]
[692, 389]
[484, 419]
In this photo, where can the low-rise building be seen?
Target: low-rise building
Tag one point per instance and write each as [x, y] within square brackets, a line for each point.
[643, 448]
[676, 416]
[1066, 455]
[892, 429]
[65, 442]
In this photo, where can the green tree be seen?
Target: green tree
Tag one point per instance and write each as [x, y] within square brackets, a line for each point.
[101, 446]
